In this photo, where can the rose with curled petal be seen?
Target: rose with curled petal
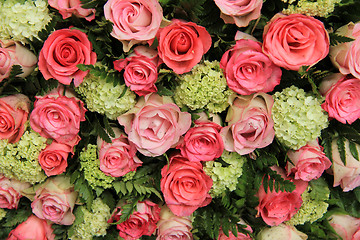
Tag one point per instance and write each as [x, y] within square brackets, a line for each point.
[182, 45]
[250, 125]
[295, 40]
[134, 21]
[248, 70]
[345, 225]
[11, 192]
[72, 7]
[62, 51]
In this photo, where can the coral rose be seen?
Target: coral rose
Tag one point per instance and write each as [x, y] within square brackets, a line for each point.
[11, 192]
[72, 7]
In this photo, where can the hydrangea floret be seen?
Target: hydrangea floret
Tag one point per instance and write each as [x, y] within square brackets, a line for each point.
[2, 213]
[204, 87]
[298, 117]
[20, 160]
[21, 20]
[90, 165]
[320, 8]
[102, 97]
[225, 177]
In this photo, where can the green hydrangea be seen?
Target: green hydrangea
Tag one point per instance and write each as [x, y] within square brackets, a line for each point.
[93, 223]
[2, 213]
[104, 98]
[90, 165]
[225, 178]
[21, 20]
[204, 87]
[20, 160]
[298, 117]
[320, 8]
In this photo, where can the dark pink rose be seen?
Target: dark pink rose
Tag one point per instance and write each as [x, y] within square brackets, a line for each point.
[57, 115]
[307, 163]
[33, 228]
[62, 51]
[141, 222]
[250, 125]
[119, 157]
[345, 225]
[53, 158]
[182, 45]
[11, 192]
[295, 40]
[155, 124]
[240, 12]
[248, 70]
[135, 21]
[140, 70]
[55, 200]
[14, 112]
[342, 97]
[72, 7]
[185, 185]
[202, 142]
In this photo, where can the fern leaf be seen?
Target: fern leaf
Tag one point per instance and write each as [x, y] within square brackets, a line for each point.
[336, 39]
[341, 147]
[353, 150]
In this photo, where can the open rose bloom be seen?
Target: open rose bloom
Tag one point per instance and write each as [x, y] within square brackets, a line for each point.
[346, 226]
[11, 192]
[72, 7]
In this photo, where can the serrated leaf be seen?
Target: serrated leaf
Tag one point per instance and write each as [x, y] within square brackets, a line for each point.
[101, 132]
[129, 186]
[123, 188]
[353, 150]
[336, 39]
[108, 128]
[15, 217]
[341, 148]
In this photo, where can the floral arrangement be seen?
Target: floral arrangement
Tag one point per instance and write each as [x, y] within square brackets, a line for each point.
[180, 119]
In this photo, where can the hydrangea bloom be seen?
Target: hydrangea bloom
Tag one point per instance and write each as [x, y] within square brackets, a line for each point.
[204, 87]
[2, 213]
[90, 164]
[20, 20]
[320, 8]
[225, 178]
[298, 117]
[102, 97]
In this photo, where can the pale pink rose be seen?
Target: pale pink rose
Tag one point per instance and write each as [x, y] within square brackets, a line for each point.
[173, 227]
[72, 7]
[250, 125]
[202, 142]
[14, 53]
[53, 158]
[14, 112]
[346, 175]
[135, 21]
[240, 12]
[345, 225]
[307, 163]
[140, 70]
[342, 97]
[62, 51]
[295, 40]
[11, 192]
[185, 185]
[119, 157]
[55, 200]
[356, 235]
[33, 228]
[240, 235]
[182, 45]
[281, 232]
[248, 70]
[141, 222]
[57, 115]
[155, 124]
[277, 207]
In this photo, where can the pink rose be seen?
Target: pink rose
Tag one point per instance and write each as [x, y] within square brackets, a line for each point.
[308, 162]
[72, 7]
[182, 45]
[62, 51]
[55, 200]
[248, 70]
[250, 125]
[342, 97]
[33, 228]
[240, 12]
[295, 40]
[202, 142]
[140, 70]
[135, 21]
[277, 207]
[53, 159]
[155, 124]
[57, 115]
[11, 192]
[345, 225]
[14, 111]
[185, 185]
[173, 227]
[240, 235]
[281, 232]
[13, 53]
[119, 157]
[141, 222]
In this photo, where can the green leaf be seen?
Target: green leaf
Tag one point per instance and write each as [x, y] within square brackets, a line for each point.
[336, 39]
[108, 128]
[101, 132]
[353, 150]
[129, 186]
[341, 147]
[14, 217]
[163, 91]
